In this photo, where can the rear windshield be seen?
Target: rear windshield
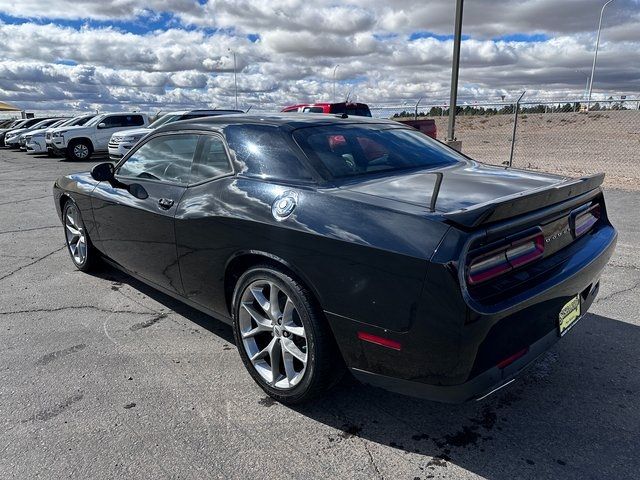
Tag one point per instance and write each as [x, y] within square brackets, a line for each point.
[350, 150]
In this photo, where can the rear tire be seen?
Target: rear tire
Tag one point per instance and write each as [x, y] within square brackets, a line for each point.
[282, 336]
[83, 254]
[79, 150]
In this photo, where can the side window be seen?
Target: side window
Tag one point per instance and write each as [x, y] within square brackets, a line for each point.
[167, 158]
[213, 161]
[113, 121]
[134, 121]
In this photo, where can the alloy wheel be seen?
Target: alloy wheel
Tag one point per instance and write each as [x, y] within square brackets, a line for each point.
[76, 237]
[81, 151]
[273, 334]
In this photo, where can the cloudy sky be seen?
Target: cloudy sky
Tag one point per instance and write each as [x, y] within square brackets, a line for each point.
[168, 54]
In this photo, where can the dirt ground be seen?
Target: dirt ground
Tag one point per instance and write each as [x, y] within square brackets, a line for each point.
[572, 144]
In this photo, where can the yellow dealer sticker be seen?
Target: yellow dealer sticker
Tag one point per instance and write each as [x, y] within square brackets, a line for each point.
[569, 314]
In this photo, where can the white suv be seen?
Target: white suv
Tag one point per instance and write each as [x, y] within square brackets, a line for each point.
[80, 142]
[121, 142]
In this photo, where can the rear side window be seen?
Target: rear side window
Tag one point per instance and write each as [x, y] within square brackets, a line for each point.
[313, 110]
[213, 161]
[134, 121]
[262, 151]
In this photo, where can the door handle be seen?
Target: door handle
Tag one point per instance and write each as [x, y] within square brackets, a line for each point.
[165, 203]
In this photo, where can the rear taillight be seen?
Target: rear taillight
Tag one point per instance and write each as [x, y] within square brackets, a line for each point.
[584, 221]
[505, 258]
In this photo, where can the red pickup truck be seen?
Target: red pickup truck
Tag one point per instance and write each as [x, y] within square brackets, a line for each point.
[426, 126]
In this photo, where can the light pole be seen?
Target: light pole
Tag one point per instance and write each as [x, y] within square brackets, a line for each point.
[595, 54]
[334, 82]
[454, 75]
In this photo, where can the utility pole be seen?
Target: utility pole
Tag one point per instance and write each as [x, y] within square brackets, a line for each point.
[455, 67]
[595, 54]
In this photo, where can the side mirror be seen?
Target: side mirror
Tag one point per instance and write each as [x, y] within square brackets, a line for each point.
[103, 172]
[102, 125]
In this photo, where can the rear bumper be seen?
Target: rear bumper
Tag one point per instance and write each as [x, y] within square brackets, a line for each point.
[480, 386]
[453, 355]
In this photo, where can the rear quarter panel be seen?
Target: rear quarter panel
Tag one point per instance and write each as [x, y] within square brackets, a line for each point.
[362, 261]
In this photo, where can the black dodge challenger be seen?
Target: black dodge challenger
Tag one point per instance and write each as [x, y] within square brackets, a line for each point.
[331, 242]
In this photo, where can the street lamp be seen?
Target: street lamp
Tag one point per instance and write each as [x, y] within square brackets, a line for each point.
[595, 54]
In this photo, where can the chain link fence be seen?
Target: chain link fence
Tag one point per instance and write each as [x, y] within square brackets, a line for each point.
[556, 137]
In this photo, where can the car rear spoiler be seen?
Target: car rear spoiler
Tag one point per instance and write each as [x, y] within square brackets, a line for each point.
[524, 202]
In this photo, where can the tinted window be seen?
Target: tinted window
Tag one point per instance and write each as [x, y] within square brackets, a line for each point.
[166, 158]
[113, 121]
[213, 161]
[313, 110]
[262, 151]
[357, 109]
[81, 121]
[349, 150]
[134, 121]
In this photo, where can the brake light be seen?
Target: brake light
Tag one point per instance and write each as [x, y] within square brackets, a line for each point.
[505, 258]
[586, 220]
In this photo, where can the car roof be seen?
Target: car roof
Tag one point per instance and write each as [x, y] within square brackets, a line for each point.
[287, 121]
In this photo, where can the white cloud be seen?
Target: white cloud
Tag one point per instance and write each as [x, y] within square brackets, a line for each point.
[296, 45]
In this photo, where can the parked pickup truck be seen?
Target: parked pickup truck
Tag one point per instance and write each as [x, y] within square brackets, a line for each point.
[82, 141]
[349, 108]
[425, 125]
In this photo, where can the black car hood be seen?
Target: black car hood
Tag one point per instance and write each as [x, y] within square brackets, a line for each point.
[463, 185]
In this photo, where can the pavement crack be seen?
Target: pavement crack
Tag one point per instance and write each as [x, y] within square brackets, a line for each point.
[29, 229]
[72, 307]
[617, 293]
[13, 202]
[32, 263]
[372, 461]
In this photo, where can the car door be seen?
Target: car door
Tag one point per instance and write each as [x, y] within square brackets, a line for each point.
[136, 224]
[112, 123]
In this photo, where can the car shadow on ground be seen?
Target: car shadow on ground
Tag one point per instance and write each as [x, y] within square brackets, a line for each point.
[573, 414]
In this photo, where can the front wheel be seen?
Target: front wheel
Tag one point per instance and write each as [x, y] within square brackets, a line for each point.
[79, 150]
[282, 336]
[79, 245]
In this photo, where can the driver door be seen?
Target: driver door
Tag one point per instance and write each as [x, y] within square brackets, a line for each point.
[137, 231]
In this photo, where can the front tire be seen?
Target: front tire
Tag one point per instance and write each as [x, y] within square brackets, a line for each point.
[283, 338]
[82, 252]
[79, 150]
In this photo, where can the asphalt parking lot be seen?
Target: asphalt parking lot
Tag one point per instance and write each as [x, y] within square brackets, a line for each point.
[103, 377]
